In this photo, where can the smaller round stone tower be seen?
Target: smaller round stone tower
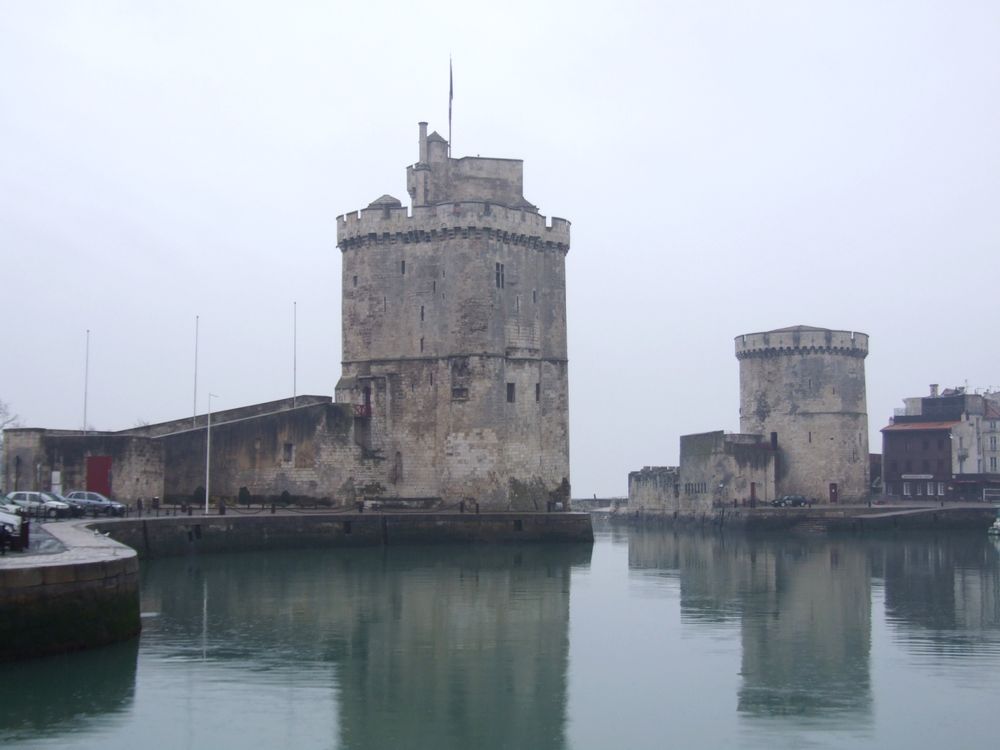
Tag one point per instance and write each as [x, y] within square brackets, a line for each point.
[803, 388]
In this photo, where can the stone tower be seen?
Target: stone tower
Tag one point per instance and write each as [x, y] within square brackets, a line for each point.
[454, 335]
[804, 389]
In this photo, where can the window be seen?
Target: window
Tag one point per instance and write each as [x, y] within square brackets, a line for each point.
[993, 442]
[534, 295]
[993, 463]
[810, 437]
[920, 489]
[510, 393]
[355, 281]
[930, 489]
[500, 276]
[517, 303]
[385, 304]
[906, 489]
[538, 392]
[459, 394]
[421, 313]
[430, 378]
[434, 286]
[402, 266]
[288, 452]
[421, 343]
[940, 489]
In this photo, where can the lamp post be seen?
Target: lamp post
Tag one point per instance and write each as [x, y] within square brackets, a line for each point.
[208, 449]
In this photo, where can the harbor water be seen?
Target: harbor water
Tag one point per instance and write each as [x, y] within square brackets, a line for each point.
[647, 639]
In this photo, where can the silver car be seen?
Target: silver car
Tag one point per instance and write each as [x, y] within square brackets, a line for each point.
[39, 503]
[95, 502]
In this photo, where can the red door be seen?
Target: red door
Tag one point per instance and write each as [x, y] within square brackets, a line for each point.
[99, 474]
[833, 492]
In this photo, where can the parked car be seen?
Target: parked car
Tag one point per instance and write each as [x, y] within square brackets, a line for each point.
[790, 501]
[75, 509]
[38, 503]
[10, 531]
[95, 502]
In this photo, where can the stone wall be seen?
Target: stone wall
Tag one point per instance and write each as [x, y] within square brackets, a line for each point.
[654, 488]
[32, 455]
[717, 469]
[309, 452]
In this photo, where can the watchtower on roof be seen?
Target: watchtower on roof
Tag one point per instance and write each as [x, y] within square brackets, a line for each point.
[437, 178]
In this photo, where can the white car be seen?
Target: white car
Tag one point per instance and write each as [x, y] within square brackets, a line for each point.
[12, 521]
[37, 502]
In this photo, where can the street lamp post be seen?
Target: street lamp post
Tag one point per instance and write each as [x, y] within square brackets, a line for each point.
[208, 449]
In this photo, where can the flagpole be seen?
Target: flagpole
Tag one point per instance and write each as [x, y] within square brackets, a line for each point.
[86, 381]
[451, 95]
[295, 350]
[194, 408]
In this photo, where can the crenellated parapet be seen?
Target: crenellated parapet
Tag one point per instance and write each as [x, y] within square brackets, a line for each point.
[800, 340]
[388, 222]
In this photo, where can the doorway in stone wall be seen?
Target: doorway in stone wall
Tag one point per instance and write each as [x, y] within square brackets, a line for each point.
[833, 492]
[99, 474]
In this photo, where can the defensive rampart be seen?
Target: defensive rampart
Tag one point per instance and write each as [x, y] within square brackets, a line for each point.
[450, 220]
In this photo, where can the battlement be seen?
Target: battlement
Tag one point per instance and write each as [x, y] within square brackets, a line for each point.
[389, 222]
[799, 340]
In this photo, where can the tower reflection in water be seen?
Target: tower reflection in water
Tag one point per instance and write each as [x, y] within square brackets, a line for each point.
[459, 647]
[804, 608]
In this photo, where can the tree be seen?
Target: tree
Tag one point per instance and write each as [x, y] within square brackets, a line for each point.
[7, 419]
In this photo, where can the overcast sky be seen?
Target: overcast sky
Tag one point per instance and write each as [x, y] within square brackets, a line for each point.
[728, 167]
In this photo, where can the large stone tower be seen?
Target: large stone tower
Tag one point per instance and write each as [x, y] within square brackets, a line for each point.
[804, 389]
[454, 335]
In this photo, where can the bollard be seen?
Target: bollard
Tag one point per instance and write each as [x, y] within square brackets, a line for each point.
[222, 507]
[272, 509]
[477, 507]
[25, 534]
[461, 506]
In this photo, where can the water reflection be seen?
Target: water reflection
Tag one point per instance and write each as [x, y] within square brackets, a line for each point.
[61, 693]
[942, 593]
[459, 647]
[804, 608]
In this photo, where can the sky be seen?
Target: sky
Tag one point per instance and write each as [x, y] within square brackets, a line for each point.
[728, 167]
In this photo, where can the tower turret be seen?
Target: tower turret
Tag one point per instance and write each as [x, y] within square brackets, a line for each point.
[804, 389]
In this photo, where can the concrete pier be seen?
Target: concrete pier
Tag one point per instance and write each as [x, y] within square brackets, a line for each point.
[181, 535]
[86, 595]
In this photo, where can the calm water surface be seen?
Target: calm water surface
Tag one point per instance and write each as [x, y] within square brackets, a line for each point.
[646, 640]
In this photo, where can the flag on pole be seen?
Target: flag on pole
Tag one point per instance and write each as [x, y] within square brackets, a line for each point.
[451, 95]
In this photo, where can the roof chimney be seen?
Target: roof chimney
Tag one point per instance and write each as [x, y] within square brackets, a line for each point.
[423, 143]
[934, 390]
